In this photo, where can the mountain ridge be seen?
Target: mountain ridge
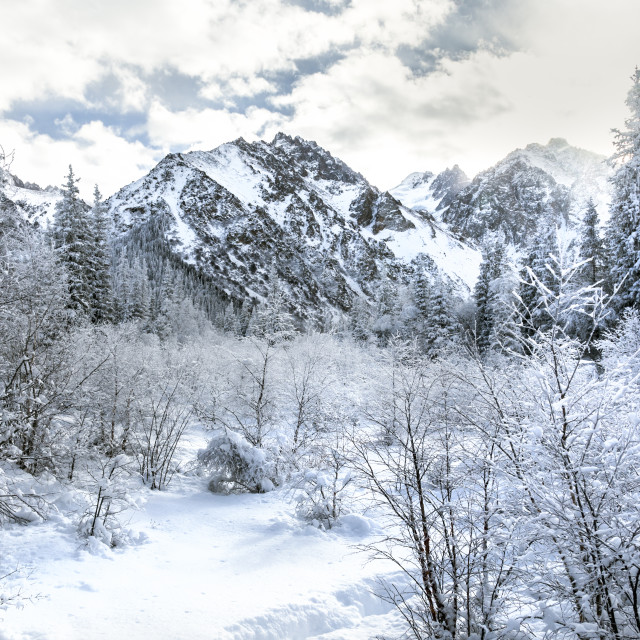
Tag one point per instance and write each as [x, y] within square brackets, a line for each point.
[235, 210]
[243, 211]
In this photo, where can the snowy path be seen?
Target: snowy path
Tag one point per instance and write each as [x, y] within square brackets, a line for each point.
[214, 567]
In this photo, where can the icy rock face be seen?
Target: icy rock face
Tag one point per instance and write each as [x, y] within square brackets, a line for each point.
[513, 197]
[242, 209]
[540, 184]
[447, 185]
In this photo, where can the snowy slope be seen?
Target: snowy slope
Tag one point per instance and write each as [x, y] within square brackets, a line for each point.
[415, 191]
[237, 567]
[452, 256]
[428, 192]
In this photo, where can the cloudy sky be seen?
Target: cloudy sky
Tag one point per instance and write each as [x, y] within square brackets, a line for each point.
[389, 86]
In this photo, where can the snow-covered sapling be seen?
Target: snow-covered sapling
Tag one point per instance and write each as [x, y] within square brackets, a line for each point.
[321, 492]
[109, 499]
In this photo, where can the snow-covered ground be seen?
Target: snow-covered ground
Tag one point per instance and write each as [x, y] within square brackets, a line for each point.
[204, 566]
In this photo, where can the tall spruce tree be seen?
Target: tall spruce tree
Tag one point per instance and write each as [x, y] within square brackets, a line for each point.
[623, 237]
[591, 245]
[73, 240]
[99, 276]
[491, 269]
[272, 321]
[440, 326]
[538, 274]
[386, 305]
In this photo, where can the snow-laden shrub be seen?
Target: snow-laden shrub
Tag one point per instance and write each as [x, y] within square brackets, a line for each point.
[108, 495]
[321, 494]
[237, 465]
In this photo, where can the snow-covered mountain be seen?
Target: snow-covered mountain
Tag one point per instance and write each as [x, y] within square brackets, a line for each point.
[234, 214]
[429, 192]
[242, 209]
[549, 183]
[27, 200]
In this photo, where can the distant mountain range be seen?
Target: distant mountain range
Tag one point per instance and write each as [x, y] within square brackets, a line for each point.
[540, 184]
[236, 213]
[237, 210]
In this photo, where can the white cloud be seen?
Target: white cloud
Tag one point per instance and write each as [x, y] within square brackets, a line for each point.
[567, 75]
[568, 80]
[208, 128]
[63, 49]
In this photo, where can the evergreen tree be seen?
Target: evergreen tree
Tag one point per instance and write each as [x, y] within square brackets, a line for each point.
[138, 291]
[360, 320]
[538, 274]
[623, 236]
[591, 245]
[73, 238]
[272, 321]
[491, 269]
[440, 325]
[230, 321]
[131, 291]
[99, 277]
[421, 289]
[386, 305]
[495, 314]
[245, 314]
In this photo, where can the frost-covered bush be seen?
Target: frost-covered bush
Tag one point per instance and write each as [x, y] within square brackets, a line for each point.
[20, 502]
[108, 495]
[321, 491]
[620, 347]
[321, 496]
[237, 465]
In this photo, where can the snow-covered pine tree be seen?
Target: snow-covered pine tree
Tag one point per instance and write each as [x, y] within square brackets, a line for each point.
[490, 269]
[244, 316]
[538, 263]
[421, 289]
[360, 320]
[100, 279]
[440, 326]
[272, 321]
[386, 304]
[132, 297]
[495, 321]
[73, 238]
[591, 245]
[623, 236]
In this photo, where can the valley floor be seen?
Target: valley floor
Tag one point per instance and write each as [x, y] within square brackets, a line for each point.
[205, 566]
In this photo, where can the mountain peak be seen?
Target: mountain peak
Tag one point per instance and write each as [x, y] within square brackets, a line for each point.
[428, 192]
[282, 138]
[557, 143]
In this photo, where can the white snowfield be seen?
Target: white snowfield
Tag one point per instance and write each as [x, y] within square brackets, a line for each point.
[207, 567]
